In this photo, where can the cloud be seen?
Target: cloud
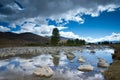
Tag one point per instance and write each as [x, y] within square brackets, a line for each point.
[4, 29]
[112, 37]
[43, 30]
[14, 10]
[46, 30]
[35, 13]
[62, 28]
[69, 35]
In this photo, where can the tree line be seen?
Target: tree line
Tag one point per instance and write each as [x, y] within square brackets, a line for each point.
[105, 42]
[55, 40]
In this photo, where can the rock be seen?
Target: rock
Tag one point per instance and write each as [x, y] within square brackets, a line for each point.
[43, 72]
[85, 68]
[102, 63]
[102, 71]
[56, 55]
[88, 46]
[12, 54]
[70, 56]
[80, 59]
[92, 51]
[54, 52]
[30, 60]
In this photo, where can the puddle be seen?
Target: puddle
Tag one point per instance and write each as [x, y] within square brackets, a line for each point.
[17, 68]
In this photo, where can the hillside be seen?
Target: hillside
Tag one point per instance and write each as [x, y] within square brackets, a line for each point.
[13, 39]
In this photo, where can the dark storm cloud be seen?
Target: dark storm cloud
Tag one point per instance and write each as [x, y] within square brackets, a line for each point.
[19, 4]
[5, 8]
[13, 10]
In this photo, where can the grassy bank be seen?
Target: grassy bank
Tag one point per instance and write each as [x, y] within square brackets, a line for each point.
[113, 72]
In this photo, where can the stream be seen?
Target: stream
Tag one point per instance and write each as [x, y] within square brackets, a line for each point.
[21, 68]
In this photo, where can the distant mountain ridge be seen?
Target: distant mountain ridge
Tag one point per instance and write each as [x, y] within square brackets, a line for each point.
[9, 38]
[115, 41]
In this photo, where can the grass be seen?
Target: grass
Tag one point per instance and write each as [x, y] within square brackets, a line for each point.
[116, 56]
[113, 72]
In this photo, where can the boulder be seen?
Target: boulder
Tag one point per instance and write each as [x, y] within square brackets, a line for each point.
[70, 56]
[102, 63]
[92, 51]
[85, 68]
[102, 71]
[80, 59]
[56, 55]
[43, 72]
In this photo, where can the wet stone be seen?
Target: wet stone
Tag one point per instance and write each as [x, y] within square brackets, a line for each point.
[43, 71]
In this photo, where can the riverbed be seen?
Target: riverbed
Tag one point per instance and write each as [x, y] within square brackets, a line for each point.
[22, 67]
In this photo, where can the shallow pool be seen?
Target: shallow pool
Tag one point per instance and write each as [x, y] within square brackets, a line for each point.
[17, 68]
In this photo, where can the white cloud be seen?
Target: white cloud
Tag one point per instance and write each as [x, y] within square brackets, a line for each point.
[43, 30]
[12, 25]
[26, 27]
[96, 12]
[69, 35]
[77, 13]
[112, 37]
[4, 29]
[62, 28]
[46, 30]
[71, 15]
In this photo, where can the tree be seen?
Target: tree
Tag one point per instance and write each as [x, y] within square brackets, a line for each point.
[82, 42]
[70, 42]
[75, 42]
[55, 37]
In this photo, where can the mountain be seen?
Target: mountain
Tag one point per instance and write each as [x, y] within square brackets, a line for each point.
[64, 38]
[115, 41]
[13, 39]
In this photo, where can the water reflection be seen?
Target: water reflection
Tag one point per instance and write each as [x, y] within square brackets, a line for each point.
[63, 67]
[56, 61]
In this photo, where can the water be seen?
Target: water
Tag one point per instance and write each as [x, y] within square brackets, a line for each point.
[17, 68]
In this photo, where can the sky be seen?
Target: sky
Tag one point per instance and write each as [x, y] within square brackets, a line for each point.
[91, 20]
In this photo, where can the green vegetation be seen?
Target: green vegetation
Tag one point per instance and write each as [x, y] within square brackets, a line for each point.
[55, 40]
[113, 73]
[37, 44]
[116, 55]
[55, 37]
[75, 42]
[105, 42]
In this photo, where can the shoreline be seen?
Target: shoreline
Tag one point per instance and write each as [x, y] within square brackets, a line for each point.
[113, 71]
